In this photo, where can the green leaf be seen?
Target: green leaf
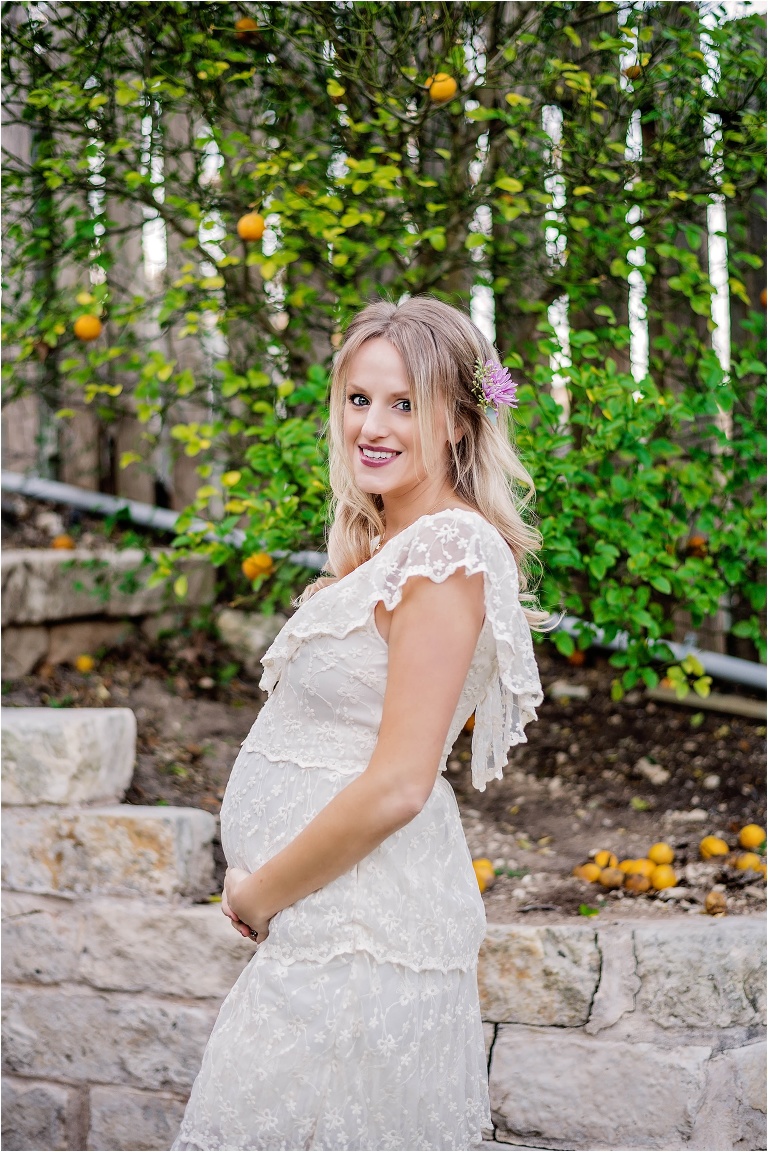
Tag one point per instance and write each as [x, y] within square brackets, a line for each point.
[588, 910]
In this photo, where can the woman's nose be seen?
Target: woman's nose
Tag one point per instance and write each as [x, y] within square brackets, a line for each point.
[375, 424]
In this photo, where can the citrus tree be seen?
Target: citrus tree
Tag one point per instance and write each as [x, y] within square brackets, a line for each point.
[298, 161]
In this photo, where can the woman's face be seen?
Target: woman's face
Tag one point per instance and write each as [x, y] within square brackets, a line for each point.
[381, 432]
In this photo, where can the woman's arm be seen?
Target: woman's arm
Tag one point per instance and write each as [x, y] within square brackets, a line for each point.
[433, 635]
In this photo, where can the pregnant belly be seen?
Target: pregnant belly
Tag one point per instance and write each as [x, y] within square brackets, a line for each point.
[414, 900]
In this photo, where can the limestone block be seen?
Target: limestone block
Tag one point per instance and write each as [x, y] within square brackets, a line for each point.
[123, 1118]
[102, 1038]
[249, 634]
[67, 755]
[177, 951]
[538, 974]
[41, 939]
[38, 1115]
[40, 585]
[23, 649]
[619, 982]
[123, 850]
[707, 973]
[569, 1090]
[85, 637]
[733, 1112]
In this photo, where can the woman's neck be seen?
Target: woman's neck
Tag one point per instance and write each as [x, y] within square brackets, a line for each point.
[401, 511]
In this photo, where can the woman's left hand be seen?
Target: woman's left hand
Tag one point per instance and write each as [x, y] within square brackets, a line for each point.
[233, 899]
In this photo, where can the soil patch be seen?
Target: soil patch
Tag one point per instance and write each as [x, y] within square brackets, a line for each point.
[577, 786]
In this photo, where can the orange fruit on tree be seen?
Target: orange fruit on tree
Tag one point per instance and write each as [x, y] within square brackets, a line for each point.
[663, 876]
[661, 853]
[251, 226]
[259, 564]
[442, 87]
[63, 541]
[713, 846]
[577, 658]
[589, 872]
[763, 297]
[752, 836]
[87, 327]
[246, 30]
[85, 663]
[470, 724]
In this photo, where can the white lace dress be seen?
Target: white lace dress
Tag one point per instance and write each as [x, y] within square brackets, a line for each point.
[356, 1025]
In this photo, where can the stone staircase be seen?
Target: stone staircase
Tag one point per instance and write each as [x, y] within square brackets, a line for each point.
[112, 976]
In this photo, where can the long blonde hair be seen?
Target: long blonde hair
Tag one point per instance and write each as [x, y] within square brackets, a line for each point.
[439, 346]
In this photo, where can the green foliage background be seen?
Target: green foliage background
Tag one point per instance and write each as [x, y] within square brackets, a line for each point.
[323, 122]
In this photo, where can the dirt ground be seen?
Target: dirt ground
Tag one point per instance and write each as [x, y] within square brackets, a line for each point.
[574, 788]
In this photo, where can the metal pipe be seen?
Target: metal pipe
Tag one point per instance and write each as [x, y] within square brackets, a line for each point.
[164, 519]
[729, 668]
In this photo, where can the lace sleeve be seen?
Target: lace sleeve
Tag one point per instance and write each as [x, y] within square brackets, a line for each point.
[436, 547]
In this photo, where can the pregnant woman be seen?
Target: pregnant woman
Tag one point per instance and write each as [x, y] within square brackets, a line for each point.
[357, 1025]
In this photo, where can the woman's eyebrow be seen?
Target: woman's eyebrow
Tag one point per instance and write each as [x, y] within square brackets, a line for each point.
[402, 392]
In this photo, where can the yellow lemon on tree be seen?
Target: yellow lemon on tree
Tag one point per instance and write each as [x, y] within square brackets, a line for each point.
[661, 853]
[748, 862]
[485, 873]
[752, 836]
[663, 876]
[259, 564]
[441, 87]
[713, 846]
[251, 226]
[87, 327]
[589, 872]
[85, 663]
[606, 859]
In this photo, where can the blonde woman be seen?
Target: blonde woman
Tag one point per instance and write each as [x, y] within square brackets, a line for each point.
[356, 1025]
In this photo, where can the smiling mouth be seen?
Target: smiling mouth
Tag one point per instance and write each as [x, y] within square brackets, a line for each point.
[377, 456]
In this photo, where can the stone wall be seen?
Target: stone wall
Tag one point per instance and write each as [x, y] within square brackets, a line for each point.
[58, 605]
[618, 1036]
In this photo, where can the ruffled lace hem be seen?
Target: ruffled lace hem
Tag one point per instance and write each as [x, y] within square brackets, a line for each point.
[436, 547]
[360, 944]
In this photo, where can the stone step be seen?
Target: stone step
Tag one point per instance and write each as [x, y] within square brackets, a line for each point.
[122, 850]
[67, 755]
[43, 585]
[124, 945]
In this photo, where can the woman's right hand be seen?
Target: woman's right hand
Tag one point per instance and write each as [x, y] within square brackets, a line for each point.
[241, 927]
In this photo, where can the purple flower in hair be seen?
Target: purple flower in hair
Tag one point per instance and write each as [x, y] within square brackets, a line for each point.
[493, 386]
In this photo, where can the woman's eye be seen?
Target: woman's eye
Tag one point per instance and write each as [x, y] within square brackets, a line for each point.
[357, 400]
[407, 404]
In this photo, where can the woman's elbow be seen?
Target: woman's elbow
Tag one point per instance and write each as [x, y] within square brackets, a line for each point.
[407, 803]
